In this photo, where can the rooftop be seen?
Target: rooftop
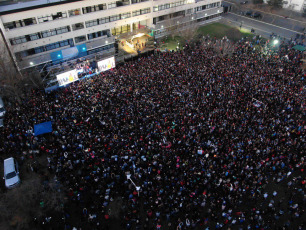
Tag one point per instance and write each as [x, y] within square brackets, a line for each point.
[7, 7]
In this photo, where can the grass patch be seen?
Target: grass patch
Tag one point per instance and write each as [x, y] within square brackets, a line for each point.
[217, 30]
[171, 43]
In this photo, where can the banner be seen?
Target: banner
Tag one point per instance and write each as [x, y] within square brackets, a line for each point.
[42, 128]
[106, 64]
[67, 77]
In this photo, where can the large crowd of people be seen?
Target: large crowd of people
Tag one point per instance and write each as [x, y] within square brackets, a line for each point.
[214, 141]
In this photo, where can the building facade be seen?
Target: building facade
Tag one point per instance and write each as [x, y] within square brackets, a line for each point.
[46, 32]
[295, 5]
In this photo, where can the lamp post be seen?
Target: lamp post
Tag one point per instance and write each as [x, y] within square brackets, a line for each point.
[241, 24]
[128, 177]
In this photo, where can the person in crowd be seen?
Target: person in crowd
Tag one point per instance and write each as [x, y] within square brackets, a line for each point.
[213, 141]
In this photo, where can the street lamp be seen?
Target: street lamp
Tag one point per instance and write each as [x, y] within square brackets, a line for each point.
[241, 24]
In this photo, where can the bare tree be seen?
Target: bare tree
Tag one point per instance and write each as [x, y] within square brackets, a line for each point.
[222, 47]
[20, 205]
[225, 47]
[189, 33]
[14, 83]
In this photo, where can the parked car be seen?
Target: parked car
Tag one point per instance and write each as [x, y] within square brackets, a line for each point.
[2, 112]
[257, 15]
[11, 173]
[249, 13]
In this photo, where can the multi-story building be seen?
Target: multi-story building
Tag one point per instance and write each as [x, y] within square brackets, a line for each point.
[46, 32]
[295, 5]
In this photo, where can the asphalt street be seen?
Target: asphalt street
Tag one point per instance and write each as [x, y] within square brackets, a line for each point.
[263, 28]
[279, 21]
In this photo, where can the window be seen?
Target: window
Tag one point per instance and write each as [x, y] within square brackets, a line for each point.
[145, 11]
[200, 8]
[20, 23]
[112, 5]
[74, 12]
[98, 34]
[62, 30]
[168, 5]
[141, 11]
[9, 25]
[179, 13]
[138, 1]
[121, 29]
[48, 33]
[80, 39]
[91, 23]
[94, 8]
[18, 40]
[53, 32]
[114, 17]
[52, 17]
[104, 20]
[39, 49]
[29, 21]
[118, 3]
[78, 26]
[42, 19]
[34, 36]
[25, 38]
[59, 15]
[125, 15]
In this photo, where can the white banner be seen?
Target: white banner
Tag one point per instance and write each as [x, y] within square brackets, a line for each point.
[106, 64]
[67, 77]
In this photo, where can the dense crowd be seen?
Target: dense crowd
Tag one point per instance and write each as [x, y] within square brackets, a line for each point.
[213, 141]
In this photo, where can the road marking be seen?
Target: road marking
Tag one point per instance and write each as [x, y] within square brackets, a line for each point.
[267, 23]
[269, 13]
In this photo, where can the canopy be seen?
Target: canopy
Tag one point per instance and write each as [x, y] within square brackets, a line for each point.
[42, 128]
[299, 47]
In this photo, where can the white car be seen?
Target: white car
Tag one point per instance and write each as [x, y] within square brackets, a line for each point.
[2, 109]
[11, 173]
[2, 112]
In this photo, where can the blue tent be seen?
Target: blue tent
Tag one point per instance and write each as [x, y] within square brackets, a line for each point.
[42, 128]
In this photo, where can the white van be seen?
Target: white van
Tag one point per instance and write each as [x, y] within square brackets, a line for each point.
[11, 173]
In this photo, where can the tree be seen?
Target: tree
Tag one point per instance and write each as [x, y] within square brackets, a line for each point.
[189, 33]
[20, 205]
[224, 47]
[14, 83]
[276, 3]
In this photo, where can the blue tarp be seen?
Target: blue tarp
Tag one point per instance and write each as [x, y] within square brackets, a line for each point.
[42, 128]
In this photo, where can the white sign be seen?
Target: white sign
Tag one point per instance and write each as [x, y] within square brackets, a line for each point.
[67, 77]
[106, 64]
